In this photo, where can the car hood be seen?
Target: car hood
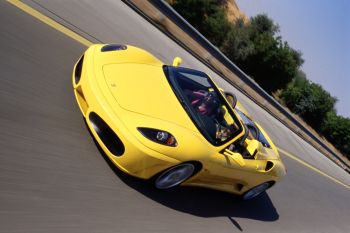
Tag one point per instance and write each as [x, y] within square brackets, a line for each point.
[144, 89]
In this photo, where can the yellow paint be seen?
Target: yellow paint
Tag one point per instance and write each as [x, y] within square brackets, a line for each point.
[36, 14]
[177, 61]
[228, 118]
[237, 157]
[312, 168]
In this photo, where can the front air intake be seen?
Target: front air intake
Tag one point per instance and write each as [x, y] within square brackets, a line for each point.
[78, 68]
[107, 135]
[113, 47]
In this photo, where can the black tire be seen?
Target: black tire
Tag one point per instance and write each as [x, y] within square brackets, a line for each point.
[174, 176]
[256, 191]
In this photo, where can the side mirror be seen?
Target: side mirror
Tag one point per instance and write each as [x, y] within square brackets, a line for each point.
[177, 61]
[231, 98]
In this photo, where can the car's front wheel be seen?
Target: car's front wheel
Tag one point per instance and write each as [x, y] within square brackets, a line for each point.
[174, 176]
[256, 191]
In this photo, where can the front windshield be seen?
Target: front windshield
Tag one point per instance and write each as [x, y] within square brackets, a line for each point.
[205, 104]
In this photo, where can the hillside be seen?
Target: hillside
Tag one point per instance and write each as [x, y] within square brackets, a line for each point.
[233, 12]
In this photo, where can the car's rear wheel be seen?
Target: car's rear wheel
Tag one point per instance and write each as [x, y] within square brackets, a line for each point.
[256, 191]
[174, 176]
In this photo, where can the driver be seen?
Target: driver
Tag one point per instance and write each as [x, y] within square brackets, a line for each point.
[206, 103]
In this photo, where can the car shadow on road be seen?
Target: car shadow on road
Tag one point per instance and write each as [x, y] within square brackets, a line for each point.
[204, 202]
[201, 202]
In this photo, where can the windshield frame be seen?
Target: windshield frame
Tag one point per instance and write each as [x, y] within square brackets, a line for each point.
[170, 73]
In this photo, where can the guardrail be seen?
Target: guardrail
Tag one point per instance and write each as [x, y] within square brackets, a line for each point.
[245, 84]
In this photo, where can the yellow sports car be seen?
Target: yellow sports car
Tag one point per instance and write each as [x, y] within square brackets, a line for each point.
[171, 124]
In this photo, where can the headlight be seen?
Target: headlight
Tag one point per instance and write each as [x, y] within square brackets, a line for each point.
[158, 136]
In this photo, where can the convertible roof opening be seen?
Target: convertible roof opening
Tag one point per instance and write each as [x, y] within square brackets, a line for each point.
[204, 104]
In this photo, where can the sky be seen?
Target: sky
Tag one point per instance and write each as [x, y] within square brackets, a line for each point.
[320, 29]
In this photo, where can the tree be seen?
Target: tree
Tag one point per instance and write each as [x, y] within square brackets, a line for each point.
[337, 130]
[207, 16]
[262, 24]
[257, 49]
[238, 45]
[216, 27]
[309, 100]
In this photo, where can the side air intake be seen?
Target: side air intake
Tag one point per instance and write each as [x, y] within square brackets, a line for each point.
[107, 135]
[269, 166]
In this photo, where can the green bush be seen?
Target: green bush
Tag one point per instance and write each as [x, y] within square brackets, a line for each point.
[259, 52]
[207, 16]
[337, 131]
[308, 100]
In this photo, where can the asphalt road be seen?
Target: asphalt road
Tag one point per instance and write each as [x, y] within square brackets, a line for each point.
[53, 178]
